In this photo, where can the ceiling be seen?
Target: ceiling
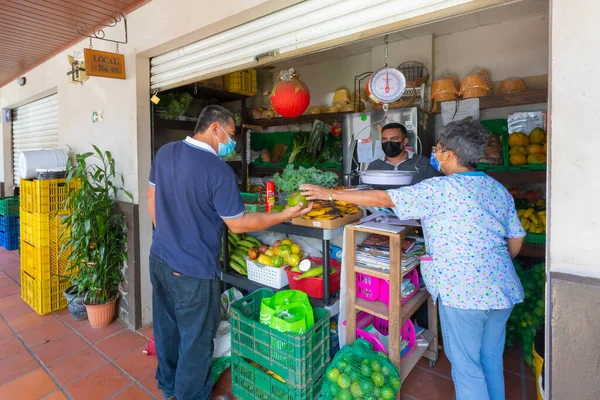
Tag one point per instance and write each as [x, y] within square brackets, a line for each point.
[32, 31]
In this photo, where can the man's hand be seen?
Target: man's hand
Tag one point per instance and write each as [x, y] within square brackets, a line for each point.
[297, 210]
[314, 192]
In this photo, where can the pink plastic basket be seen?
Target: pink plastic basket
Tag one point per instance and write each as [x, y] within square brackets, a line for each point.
[371, 288]
[407, 332]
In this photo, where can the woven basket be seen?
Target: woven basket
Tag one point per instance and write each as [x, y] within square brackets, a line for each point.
[416, 73]
[399, 103]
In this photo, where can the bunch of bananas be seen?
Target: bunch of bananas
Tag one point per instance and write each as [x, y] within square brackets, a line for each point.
[238, 249]
[533, 221]
[327, 210]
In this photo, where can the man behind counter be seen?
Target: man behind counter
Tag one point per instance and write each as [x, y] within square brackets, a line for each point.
[394, 139]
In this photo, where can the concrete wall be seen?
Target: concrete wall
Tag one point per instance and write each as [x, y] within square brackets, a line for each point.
[574, 196]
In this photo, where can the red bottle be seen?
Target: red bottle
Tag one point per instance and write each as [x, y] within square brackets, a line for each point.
[270, 196]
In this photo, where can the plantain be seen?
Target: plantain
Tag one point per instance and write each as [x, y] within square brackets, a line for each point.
[238, 259]
[253, 240]
[237, 268]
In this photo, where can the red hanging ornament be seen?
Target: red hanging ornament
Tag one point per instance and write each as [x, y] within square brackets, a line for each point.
[290, 96]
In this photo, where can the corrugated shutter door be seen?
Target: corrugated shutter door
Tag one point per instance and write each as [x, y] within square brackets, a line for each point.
[300, 28]
[34, 127]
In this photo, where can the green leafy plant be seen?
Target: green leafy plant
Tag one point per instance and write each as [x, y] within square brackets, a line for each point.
[96, 233]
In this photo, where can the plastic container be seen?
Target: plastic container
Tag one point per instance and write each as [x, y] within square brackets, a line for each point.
[8, 241]
[30, 161]
[313, 287]
[407, 332]
[535, 238]
[375, 289]
[42, 230]
[249, 383]
[43, 263]
[9, 225]
[498, 127]
[9, 206]
[300, 360]
[241, 82]
[44, 196]
[44, 296]
[269, 276]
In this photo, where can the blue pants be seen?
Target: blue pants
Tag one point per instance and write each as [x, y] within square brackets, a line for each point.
[474, 344]
[186, 314]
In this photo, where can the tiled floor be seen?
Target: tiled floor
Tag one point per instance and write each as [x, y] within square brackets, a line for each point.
[52, 357]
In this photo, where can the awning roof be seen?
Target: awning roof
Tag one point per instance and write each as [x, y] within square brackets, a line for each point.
[32, 31]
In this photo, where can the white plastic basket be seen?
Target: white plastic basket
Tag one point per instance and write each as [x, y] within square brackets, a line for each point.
[269, 276]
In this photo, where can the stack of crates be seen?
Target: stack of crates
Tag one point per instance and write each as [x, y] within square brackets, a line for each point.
[271, 365]
[43, 268]
[9, 222]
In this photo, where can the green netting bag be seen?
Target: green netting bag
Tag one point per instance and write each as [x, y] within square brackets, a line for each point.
[357, 372]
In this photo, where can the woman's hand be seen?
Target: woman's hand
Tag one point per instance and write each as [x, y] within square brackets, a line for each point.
[314, 192]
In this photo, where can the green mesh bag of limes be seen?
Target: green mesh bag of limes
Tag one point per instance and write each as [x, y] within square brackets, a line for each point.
[359, 373]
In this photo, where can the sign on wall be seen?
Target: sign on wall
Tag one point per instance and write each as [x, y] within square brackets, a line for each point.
[104, 64]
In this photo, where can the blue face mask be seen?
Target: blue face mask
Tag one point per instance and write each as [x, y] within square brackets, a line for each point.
[435, 163]
[226, 148]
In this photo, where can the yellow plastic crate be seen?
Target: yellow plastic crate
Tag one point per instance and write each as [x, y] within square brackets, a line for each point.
[44, 196]
[242, 82]
[43, 263]
[44, 296]
[43, 230]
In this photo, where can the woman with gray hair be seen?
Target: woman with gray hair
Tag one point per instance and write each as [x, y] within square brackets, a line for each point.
[472, 232]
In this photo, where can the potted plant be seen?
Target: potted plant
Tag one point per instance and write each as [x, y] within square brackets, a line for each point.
[96, 236]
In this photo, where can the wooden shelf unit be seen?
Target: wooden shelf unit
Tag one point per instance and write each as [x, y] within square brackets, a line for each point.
[396, 314]
[535, 96]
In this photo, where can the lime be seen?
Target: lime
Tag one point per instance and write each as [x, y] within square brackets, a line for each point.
[376, 391]
[342, 364]
[345, 395]
[334, 389]
[366, 370]
[367, 386]
[369, 397]
[385, 371]
[356, 390]
[355, 376]
[395, 382]
[375, 365]
[333, 374]
[365, 362]
[387, 393]
[377, 379]
[344, 381]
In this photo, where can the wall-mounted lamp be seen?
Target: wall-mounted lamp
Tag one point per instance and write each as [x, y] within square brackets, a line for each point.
[21, 81]
[77, 73]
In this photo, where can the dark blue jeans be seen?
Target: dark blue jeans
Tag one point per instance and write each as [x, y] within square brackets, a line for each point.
[186, 314]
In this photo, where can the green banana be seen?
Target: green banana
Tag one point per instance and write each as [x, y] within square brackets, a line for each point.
[237, 268]
[244, 244]
[238, 259]
[241, 253]
[311, 273]
[234, 236]
[253, 240]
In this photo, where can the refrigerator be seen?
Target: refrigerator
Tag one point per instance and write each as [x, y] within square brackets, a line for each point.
[364, 125]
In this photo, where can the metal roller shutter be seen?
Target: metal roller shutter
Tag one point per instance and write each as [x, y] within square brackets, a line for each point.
[302, 26]
[34, 127]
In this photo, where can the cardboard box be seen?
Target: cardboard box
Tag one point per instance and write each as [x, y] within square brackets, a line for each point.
[329, 223]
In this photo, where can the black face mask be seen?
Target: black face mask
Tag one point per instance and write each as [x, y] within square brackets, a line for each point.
[392, 149]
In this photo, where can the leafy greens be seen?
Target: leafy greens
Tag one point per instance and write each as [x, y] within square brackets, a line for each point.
[291, 179]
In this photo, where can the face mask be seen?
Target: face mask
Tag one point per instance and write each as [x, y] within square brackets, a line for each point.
[392, 149]
[435, 163]
[226, 148]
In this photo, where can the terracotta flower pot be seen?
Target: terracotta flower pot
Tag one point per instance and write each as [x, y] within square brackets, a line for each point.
[101, 315]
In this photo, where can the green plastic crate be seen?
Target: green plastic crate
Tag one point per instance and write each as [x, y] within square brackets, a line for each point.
[250, 383]
[498, 127]
[535, 238]
[250, 198]
[299, 359]
[9, 206]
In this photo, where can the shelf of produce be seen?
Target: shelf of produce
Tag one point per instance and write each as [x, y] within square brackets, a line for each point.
[533, 250]
[267, 171]
[407, 364]
[536, 96]
[519, 177]
[379, 309]
[303, 119]
[377, 273]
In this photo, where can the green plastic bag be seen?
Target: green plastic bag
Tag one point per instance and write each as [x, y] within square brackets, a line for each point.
[357, 372]
[218, 366]
[287, 311]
